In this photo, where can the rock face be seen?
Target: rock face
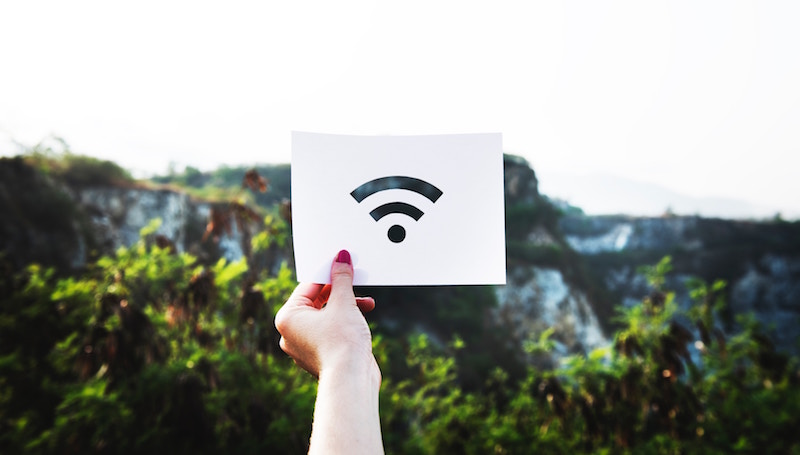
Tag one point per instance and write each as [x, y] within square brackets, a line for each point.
[519, 180]
[770, 289]
[538, 296]
[118, 214]
[592, 235]
[759, 261]
[536, 299]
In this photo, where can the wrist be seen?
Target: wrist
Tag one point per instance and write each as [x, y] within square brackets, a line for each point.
[359, 367]
[346, 418]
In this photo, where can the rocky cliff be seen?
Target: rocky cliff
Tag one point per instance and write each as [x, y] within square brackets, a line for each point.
[539, 293]
[564, 272]
[760, 261]
[54, 222]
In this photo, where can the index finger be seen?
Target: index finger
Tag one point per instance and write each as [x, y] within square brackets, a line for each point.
[305, 294]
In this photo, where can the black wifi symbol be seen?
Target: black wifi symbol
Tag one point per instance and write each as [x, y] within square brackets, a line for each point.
[396, 233]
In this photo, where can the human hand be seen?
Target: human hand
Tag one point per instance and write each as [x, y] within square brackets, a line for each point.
[323, 328]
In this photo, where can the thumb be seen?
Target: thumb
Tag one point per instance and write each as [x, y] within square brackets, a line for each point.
[342, 281]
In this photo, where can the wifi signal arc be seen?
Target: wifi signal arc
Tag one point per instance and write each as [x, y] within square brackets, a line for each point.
[396, 182]
[396, 207]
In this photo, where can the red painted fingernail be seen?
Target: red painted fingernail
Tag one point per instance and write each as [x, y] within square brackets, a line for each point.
[344, 256]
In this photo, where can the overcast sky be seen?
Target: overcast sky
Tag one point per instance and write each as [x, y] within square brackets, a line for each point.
[699, 97]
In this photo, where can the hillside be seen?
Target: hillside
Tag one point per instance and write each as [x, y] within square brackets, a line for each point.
[567, 271]
[167, 325]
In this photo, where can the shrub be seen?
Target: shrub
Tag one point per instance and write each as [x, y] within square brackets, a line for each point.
[74, 169]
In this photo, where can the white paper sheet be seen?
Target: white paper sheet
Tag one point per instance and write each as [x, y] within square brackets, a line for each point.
[459, 236]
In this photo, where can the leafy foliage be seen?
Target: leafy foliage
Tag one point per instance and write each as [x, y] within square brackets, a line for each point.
[655, 390]
[149, 351]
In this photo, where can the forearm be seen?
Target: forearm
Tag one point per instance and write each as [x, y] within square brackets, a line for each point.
[346, 419]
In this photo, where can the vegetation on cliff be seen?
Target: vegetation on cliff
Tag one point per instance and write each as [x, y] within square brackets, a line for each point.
[149, 349]
[40, 222]
[54, 159]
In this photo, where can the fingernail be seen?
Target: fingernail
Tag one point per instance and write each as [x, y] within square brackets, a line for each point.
[344, 256]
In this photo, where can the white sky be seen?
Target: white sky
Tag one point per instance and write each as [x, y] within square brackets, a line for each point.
[702, 97]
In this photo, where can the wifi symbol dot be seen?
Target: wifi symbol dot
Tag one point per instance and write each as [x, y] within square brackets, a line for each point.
[396, 233]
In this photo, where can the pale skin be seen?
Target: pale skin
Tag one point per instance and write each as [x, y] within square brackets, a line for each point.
[323, 329]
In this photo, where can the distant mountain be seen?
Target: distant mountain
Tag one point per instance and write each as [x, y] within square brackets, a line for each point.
[605, 194]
